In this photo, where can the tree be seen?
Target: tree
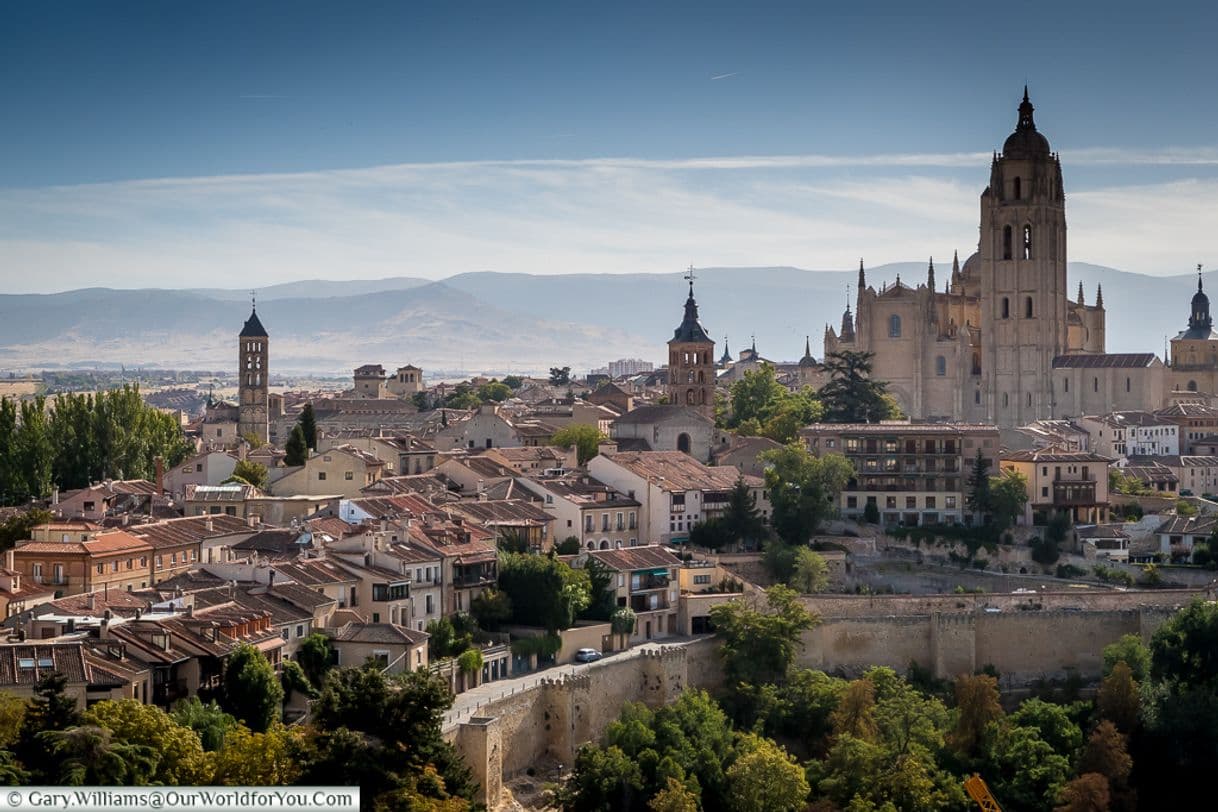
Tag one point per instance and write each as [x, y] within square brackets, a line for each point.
[756, 396]
[760, 644]
[470, 662]
[765, 778]
[568, 546]
[1008, 496]
[622, 622]
[803, 489]
[308, 425]
[1128, 649]
[316, 657]
[711, 534]
[810, 574]
[1107, 755]
[252, 473]
[851, 395]
[855, 713]
[12, 717]
[871, 513]
[602, 779]
[1052, 724]
[675, 797]
[492, 608]
[742, 520]
[1087, 793]
[543, 590]
[1118, 699]
[176, 752]
[248, 758]
[512, 540]
[978, 497]
[494, 392]
[1184, 650]
[251, 690]
[297, 447]
[977, 706]
[1022, 768]
[51, 709]
[560, 376]
[209, 721]
[585, 438]
[513, 382]
[445, 640]
[88, 755]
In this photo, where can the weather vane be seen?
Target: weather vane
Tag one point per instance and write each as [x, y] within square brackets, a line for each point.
[254, 299]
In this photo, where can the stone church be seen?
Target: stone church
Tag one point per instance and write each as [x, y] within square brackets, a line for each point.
[999, 339]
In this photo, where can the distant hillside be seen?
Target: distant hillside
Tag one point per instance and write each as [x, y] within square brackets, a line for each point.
[499, 322]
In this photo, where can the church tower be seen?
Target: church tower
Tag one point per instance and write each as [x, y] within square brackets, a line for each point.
[1023, 275]
[691, 361]
[253, 372]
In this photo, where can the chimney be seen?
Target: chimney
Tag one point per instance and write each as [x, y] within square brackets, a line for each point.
[209, 525]
[160, 475]
[271, 578]
[251, 520]
[91, 602]
[55, 496]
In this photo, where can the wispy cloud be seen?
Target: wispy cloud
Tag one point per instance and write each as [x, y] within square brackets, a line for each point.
[725, 76]
[608, 215]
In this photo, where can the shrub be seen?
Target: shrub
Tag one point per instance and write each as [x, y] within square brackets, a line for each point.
[1070, 571]
[871, 513]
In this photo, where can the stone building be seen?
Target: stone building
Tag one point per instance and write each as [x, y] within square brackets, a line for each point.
[1194, 352]
[1000, 340]
[406, 381]
[253, 365]
[691, 361]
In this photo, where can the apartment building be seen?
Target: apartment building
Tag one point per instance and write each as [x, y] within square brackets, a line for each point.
[591, 511]
[914, 473]
[1072, 482]
[1127, 434]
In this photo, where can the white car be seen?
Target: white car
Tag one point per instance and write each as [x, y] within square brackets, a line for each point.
[587, 655]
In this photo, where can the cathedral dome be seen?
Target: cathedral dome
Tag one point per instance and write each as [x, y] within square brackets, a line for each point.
[1025, 142]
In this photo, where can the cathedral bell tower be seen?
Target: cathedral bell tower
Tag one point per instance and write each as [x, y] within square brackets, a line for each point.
[1023, 275]
[691, 361]
[253, 371]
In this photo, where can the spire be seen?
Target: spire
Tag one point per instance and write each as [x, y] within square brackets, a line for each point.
[754, 347]
[726, 358]
[1081, 299]
[930, 275]
[1025, 113]
[807, 346]
[847, 333]
[1099, 295]
[690, 329]
[1200, 319]
[1198, 277]
[862, 277]
[955, 263]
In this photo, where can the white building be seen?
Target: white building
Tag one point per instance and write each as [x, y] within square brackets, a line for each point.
[1130, 434]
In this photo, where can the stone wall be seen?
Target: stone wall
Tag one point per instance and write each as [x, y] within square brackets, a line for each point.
[872, 606]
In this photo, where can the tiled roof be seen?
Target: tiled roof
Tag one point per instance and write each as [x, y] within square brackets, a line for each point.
[27, 663]
[676, 471]
[629, 559]
[386, 633]
[502, 512]
[660, 414]
[107, 543]
[191, 530]
[895, 428]
[1188, 410]
[1119, 360]
[276, 541]
[1188, 525]
[314, 572]
[1052, 455]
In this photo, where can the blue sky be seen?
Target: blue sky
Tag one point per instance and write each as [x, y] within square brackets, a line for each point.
[178, 144]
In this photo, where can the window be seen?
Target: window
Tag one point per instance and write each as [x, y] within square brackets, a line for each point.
[1006, 242]
[911, 502]
[1027, 307]
[1029, 399]
[949, 502]
[321, 476]
[852, 501]
[894, 326]
[940, 366]
[1018, 188]
[1006, 308]
[1095, 384]
[286, 633]
[431, 607]
[1066, 384]
[58, 573]
[300, 630]
[1027, 242]
[930, 502]
[1005, 400]
[977, 397]
[1127, 384]
[198, 467]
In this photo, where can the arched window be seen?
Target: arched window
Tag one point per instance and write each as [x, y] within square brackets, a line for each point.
[691, 398]
[683, 442]
[1027, 242]
[1192, 386]
[604, 544]
[894, 326]
[592, 545]
[1018, 188]
[1006, 308]
[1006, 401]
[701, 376]
[1029, 399]
[976, 363]
[977, 396]
[1027, 307]
[940, 366]
[1006, 242]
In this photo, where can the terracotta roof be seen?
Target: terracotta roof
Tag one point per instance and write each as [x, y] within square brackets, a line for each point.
[386, 633]
[629, 559]
[1052, 455]
[314, 572]
[275, 541]
[119, 602]
[1188, 410]
[676, 471]
[513, 512]
[191, 530]
[1188, 525]
[107, 543]
[1119, 360]
[27, 663]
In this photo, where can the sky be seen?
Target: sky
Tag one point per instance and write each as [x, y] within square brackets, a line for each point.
[240, 144]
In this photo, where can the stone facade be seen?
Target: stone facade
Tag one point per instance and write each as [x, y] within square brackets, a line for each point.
[253, 372]
[691, 362]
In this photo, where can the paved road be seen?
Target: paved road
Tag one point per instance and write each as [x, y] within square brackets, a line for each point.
[468, 704]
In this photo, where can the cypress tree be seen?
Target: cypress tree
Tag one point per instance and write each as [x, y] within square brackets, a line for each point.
[297, 448]
[308, 424]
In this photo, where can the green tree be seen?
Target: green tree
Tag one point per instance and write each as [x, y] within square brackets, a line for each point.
[1130, 650]
[756, 396]
[1008, 496]
[176, 752]
[759, 644]
[675, 797]
[492, 608]
[584, 437]
[251, 690]
[88, 755]
[316, 656]
[297, 447]
[852, 395]
[1052, 723]
[208, 720]
[512, 540]
[560, 376]
[568, 546]
[308, 425]
[513, 382]
[978, 498]
[470, 661]
[765, 778]
[871, 513]
[51, 709]
[1118, 699]
[602, 779]
[252, 473]
[494, 392]
[810, 573]
[543, 590]
[1022, 768]
[803, 489]
[602, 592]
[12, 717]
[622, 622]
[742, 520]
[1184, 650]
[10, 490]
[249, 758]
[445, 639]
[32, 452]
[977, 706]
[711, 534]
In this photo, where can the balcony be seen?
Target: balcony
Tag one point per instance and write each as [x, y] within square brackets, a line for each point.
[1072, 494]
[644, 583]
[649, 603]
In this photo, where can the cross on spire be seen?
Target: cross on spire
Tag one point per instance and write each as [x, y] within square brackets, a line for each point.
[253, 300]
[690, 276]
[1198, 276]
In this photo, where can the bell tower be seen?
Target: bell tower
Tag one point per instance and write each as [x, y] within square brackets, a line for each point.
[691, 361]
[1023, 275]
[253, 371]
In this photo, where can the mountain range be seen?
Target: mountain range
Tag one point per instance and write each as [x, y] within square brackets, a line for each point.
[497, 322]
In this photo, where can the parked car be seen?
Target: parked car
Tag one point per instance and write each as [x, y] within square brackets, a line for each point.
[587, 655]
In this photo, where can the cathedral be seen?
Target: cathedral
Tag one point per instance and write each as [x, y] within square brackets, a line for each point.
[999, 339]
